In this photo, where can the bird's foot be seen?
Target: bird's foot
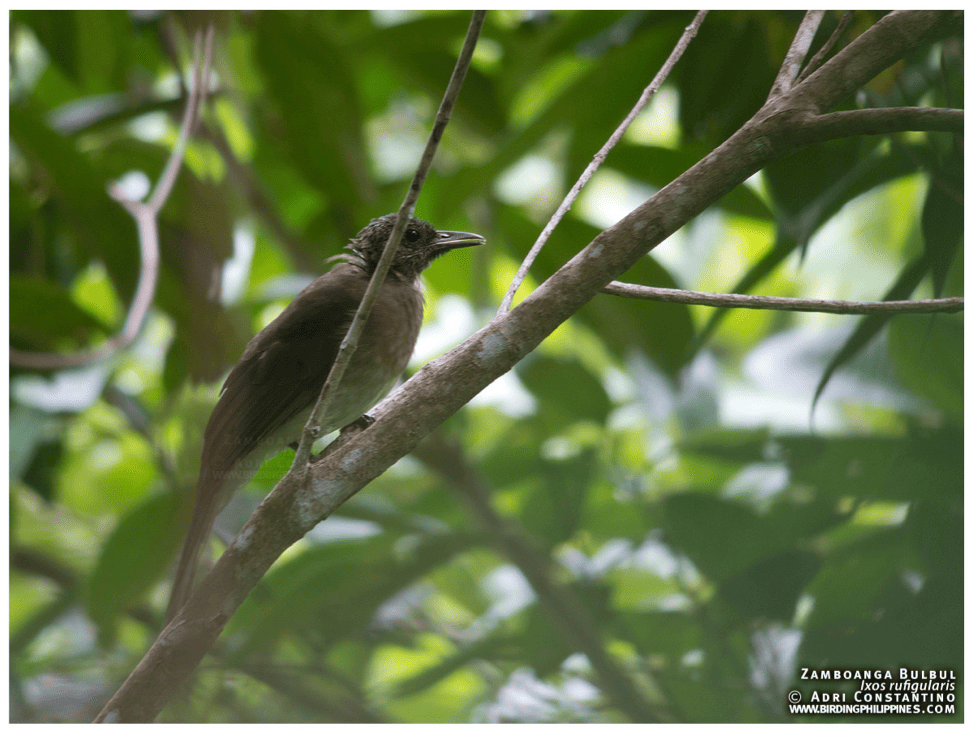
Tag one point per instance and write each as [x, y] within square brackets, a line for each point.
[352, 428]
[360, 424]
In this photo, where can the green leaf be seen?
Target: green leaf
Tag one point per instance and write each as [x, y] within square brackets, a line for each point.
[43, 316]
[552, 510]
[770, 588]
[700, 701]
[936, 530]
[870, 325]
[58, 32]
[850, 583]
[544, 643]
[880, 468]
[727, 44]
[133, 558]
[605, 515]
[196, 237]
[875, 604]
[802, 185]
[657, 166]
[30, 428]
[566, 386]
[943, 219]
[486, 648]
[783, 246]
[806, 205]
[309, 78]
[610, 89]
[928, 351]
[342, 581]
[636, 588]
[541, 41]
[721, 537]
[513, 457]
[41, 474]
[672, 634]
[445, 699]
[735, 445]
[99, 225]
[408, 51]
[663, 331]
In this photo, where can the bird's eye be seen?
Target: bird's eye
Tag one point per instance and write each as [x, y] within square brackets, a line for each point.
[412, 236]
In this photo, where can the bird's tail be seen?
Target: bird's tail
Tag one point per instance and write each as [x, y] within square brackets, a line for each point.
[204, 514]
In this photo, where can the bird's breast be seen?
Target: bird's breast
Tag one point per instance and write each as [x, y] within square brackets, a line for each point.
[383, 352]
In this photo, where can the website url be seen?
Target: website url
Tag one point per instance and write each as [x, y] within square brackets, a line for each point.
[871, 708]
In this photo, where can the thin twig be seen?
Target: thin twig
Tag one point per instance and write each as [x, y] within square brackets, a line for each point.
[879, 121]
[648, 93]
[313, 427]
[824, 51]
[788, 72]
[762, 302]
[145, 219]
[197, 94]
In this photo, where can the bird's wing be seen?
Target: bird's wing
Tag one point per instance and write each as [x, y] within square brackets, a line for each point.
[283, 368]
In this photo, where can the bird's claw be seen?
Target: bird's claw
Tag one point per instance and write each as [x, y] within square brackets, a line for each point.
[360, 424]
[352, 428]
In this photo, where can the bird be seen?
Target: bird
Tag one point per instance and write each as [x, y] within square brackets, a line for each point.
[268, 395]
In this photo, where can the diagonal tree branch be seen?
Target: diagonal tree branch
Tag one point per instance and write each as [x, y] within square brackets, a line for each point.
[442, 387]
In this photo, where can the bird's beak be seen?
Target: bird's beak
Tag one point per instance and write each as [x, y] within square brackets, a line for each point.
[447, 240]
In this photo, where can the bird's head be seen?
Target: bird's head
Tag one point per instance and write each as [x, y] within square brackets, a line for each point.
[420, 245]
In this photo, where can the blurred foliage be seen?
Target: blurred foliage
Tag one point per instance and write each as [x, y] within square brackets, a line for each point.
[664, 460]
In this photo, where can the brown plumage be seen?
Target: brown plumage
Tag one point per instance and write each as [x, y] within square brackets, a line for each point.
[268, 396]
